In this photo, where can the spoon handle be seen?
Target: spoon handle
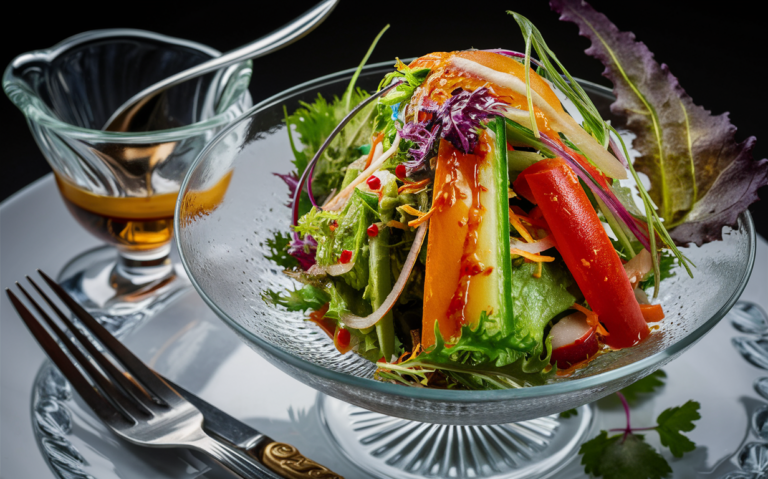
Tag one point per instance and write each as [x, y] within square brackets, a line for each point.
[265, 45]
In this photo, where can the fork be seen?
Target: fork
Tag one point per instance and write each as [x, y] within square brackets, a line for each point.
[136, 404]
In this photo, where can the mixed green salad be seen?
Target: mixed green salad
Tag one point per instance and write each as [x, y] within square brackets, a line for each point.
[462, 230]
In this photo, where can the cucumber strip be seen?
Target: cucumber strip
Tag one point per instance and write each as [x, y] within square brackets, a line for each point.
[504, 266]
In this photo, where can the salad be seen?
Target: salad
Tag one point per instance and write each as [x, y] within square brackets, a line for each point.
[462, 229]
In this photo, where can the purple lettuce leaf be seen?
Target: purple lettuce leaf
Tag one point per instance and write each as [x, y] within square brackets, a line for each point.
[304, 250]
[460, 116]
[701, 178]
[291, 180]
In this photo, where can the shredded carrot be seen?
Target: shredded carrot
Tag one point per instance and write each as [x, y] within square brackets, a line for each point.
[591, 318]
[373, 148]
[515, 221]
[412, 211]
[423, 218]
[414, 186]
[396, 224]
[537, 274]
[535, 257]
[416, 340]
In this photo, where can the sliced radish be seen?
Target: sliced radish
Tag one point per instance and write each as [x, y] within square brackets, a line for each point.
[359, 322]
[573, 340]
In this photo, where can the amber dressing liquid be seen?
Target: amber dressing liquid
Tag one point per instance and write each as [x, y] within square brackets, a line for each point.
[132, 223]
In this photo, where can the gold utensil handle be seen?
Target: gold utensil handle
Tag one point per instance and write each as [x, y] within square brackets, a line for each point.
[288, 462]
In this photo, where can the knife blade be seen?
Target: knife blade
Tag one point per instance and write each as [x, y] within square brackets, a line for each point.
[280, 460]
[222, 424]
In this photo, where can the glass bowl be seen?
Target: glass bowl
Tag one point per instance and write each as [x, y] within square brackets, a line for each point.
[224, 249]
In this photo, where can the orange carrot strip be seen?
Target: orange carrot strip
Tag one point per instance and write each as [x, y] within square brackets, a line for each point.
[373, 148]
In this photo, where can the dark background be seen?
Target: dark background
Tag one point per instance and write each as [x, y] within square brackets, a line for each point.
[717, 54]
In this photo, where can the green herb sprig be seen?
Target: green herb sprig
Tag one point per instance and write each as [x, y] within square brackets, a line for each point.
[626, 455]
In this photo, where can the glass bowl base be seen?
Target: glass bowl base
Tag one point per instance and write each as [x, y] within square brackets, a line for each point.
[116, 292]
[390, 447]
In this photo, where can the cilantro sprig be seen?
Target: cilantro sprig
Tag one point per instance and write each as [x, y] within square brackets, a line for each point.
[626, 455]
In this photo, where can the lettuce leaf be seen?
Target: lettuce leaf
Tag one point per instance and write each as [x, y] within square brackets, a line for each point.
[302, 299]
[313, 122]
[701, 178]
[478, 360]
[535, 301]
[351, 235]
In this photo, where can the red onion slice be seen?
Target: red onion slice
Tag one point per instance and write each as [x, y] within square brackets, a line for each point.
[536, 247]
[359, 322]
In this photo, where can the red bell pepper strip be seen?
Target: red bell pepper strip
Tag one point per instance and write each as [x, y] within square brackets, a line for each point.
[586, 249]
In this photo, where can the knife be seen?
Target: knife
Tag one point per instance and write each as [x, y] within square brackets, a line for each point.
[282, 460]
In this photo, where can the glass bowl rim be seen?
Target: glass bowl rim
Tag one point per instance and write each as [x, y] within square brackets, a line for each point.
[440, 395]
[35, 114]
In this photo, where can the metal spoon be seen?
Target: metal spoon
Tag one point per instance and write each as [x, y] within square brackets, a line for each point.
[135, 114]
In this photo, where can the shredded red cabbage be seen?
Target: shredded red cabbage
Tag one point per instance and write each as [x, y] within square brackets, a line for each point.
[457, 121]
[424, 139]
[460, 116]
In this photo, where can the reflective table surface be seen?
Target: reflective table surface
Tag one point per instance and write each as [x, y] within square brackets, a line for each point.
[190, 345]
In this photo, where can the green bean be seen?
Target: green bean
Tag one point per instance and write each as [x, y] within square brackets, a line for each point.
[381, 285]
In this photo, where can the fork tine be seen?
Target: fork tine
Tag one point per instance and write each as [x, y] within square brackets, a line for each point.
[145, 376]
[104, 383]
[104, 363]
[91, 396]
